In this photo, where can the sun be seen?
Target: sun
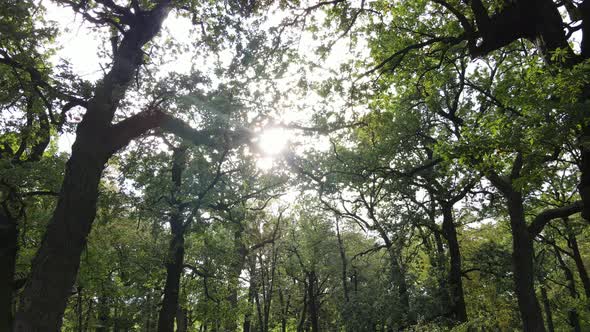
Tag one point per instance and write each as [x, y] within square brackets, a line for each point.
[273, 141]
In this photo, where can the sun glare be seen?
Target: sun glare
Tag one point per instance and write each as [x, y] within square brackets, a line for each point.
[272, 141]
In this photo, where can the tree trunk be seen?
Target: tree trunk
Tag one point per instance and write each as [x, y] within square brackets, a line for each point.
[174, 270]
[248, 314]
[458, 310]
[175, 259]
[584, 186]
[547, 308]
[399, 279]
[56, 264]
[522, 264]
[313, 303]
[573, 318]
[8, 251]
[181, 320]
[57, 261]
[573, 244]
[344, 262]
[303, 317]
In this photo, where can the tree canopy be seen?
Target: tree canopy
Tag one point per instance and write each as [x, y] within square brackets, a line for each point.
[178, 165]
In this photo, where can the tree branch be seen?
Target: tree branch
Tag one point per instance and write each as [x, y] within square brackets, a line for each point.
[546, 216]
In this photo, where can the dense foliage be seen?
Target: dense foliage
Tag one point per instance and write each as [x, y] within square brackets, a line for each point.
[295, 165]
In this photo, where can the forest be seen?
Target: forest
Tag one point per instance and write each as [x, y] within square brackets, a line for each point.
[294, 165]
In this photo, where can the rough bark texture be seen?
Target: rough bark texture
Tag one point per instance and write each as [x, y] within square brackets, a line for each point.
[458, 310]
[56, 264]
[522, 264]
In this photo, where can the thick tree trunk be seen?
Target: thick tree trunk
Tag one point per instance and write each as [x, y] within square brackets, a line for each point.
[458, 310]
[175, 259]
[181, 320]
[174, 268]
[522, 264]
[56, 264]
[313, 303]
[8, 251]
[439, 263]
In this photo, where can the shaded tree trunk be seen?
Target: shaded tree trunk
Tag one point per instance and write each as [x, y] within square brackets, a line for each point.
[303, 316]
[57, 261]
[175, 259]
[313, 303]
[248, 316]
[8, 251]
[174, 270]
[399, 279]
[181, 320]
[522, 264]
[344, 262]
[458, 310]
[584, 186]
[547, 308]
[573, 318]
[577, 257]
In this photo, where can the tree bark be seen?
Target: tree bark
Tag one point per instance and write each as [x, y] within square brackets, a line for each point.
[8, 251]
[547, 308]
[398, 278]
[573, 244]
[57, 261]
[458, 310]
[522, 264]
[175, 259]
[573, 318]
[174, 268]
[248, 315]
[313, 303]
[181, 320]
[584, 186]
